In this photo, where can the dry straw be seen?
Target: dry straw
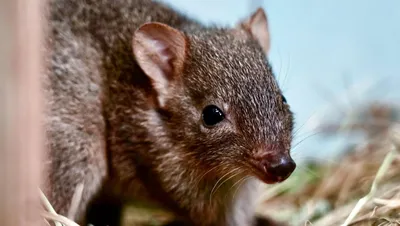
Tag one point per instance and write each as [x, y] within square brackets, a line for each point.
[51, 215]
[361, 187]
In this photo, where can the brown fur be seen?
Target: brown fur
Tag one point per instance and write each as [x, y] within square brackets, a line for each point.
[105, 129]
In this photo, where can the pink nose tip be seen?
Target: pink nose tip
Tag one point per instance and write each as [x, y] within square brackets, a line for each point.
[282, 168]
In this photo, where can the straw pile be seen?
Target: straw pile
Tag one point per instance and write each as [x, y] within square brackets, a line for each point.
[366, 180]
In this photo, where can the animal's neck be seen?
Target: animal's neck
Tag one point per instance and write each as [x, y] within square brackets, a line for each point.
[244, 203]
[232, 203]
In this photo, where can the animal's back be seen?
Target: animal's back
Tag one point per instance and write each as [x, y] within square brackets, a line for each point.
[84, 34]
[74, 123]
[80, 39]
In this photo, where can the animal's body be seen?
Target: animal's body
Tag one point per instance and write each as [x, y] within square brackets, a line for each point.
[170, 112]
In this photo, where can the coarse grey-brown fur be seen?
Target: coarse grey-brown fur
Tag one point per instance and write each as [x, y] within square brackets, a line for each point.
[104, 130]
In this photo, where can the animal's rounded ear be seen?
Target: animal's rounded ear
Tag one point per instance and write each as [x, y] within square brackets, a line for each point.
[256, 26]
[160, 51]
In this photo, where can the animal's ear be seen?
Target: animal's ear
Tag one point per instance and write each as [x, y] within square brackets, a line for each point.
[160, 51]
[256, 26]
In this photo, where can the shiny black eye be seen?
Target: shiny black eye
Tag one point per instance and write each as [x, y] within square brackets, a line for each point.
[212, 115]
[283, 99]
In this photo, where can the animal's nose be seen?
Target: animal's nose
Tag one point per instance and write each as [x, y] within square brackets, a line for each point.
[282, 168]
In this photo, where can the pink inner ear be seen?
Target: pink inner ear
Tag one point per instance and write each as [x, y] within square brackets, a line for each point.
[160, 52]
[164, 56]
[162, 46]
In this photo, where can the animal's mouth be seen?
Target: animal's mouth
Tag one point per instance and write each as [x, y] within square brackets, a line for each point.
[268, 178]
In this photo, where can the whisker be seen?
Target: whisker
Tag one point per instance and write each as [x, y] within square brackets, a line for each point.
[280, 68]
[295, 133]
[201, 177]
[216, 188]
[302, 140]
[309, 171]
[237, 182]
[243, 180]
[220, 179]
[287, 72]
[319, 159]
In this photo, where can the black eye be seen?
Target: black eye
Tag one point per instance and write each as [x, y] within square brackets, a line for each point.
[283, 99]
[212, 115]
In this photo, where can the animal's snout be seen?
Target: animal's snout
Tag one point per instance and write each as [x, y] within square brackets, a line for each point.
[281, 168]
[273, 163]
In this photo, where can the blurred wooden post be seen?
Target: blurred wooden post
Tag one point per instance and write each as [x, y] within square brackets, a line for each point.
[20, 105]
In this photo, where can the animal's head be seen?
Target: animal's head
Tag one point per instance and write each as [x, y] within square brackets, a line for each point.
[218, 100]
